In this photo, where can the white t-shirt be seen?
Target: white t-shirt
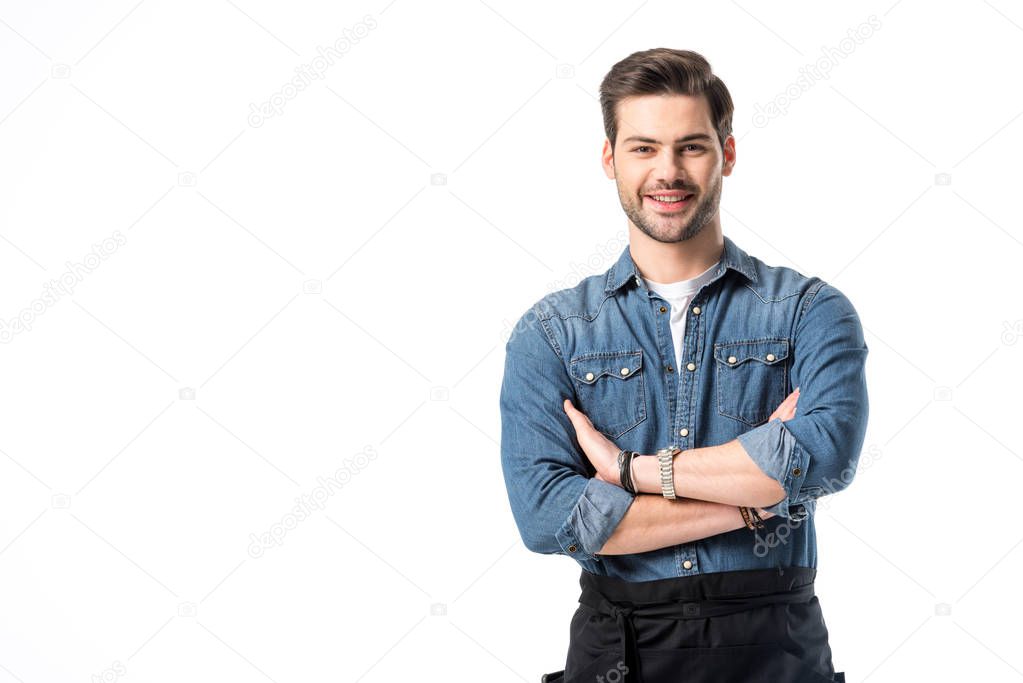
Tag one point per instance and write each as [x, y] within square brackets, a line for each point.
[679, 294]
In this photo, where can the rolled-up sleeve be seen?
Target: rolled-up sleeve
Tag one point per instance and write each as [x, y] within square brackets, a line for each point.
[558, 506]
[816, 452]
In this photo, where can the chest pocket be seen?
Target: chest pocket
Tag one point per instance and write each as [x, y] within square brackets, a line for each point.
[609, 385]
[751, 378]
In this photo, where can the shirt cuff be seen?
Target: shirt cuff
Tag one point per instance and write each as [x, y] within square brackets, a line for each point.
[593, 519]
[778, 455]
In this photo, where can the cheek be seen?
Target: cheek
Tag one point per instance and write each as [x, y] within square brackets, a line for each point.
[707, 178]
[629, 185]
[638, 181]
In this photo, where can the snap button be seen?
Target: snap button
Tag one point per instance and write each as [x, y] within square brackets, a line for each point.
[691, 366]
[663, 309]
[572, 548]
[683, 432]
[625, 371]
[796, 472]
[589, 376]
[696, 310]
[731, 359]
[687, 565]
[770, 356]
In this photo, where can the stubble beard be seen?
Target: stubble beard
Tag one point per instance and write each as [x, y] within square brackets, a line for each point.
[669, 228]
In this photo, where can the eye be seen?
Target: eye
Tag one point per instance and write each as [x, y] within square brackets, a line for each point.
[641, 147]
[696, 147]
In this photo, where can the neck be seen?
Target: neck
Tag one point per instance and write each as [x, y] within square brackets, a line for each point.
[667, 262]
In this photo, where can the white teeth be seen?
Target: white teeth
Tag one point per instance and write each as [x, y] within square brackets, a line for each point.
[662, 198]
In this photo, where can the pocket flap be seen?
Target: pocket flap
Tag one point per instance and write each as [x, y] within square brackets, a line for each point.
[590, 367]
[766, 351]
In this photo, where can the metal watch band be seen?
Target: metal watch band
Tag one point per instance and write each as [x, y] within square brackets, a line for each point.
[666, 459]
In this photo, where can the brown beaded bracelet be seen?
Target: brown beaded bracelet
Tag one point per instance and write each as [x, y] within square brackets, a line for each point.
[751, 518]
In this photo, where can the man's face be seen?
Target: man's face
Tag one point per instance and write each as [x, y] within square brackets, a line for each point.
[667, 146]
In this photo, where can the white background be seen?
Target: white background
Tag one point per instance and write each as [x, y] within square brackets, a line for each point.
[333, 303]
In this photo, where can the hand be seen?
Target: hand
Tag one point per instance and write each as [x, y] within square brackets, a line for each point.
[786, 410]
[601, 451]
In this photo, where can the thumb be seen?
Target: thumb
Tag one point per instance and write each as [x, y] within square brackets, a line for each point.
[578, 418]
[573, 413]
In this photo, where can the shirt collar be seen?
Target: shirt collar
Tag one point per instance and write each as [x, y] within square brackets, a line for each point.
[732, 257]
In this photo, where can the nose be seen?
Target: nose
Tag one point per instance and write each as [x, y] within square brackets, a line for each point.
[668, 168]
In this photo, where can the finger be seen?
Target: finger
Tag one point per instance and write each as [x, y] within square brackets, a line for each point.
[578, 418]
[787, 408]
[787, 402]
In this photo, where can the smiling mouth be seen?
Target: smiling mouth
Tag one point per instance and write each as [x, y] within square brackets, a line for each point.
[670, 201]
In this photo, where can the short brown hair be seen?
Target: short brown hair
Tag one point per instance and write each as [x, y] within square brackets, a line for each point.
[663, 70]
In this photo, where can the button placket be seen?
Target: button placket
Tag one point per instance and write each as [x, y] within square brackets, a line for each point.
[663, 325]
[687, 386]
[689, 381]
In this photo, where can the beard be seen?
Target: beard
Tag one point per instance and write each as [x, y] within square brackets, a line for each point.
[677, 227]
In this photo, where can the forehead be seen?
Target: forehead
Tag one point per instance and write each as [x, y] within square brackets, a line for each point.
[663, 116]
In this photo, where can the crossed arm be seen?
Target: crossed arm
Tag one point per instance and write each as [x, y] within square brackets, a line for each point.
[710, 484]
[654, 522]
[560, 507]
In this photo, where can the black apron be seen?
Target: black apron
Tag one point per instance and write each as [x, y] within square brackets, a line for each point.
[749, 626]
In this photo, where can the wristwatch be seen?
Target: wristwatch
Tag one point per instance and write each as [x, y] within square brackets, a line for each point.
[666, 459]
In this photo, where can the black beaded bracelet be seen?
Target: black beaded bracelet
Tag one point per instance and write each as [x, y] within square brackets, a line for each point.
[625, 470]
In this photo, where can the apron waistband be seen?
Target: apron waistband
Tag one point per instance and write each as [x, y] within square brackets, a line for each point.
[690, 597]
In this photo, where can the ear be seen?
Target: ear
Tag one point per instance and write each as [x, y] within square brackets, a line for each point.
[607, 159]
[729, 154]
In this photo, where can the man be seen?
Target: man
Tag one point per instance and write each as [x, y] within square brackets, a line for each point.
[746, 380]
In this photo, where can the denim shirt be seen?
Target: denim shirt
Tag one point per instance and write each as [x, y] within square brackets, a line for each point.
[753, 332]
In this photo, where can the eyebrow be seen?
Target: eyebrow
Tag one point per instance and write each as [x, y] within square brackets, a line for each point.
[693, 136]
